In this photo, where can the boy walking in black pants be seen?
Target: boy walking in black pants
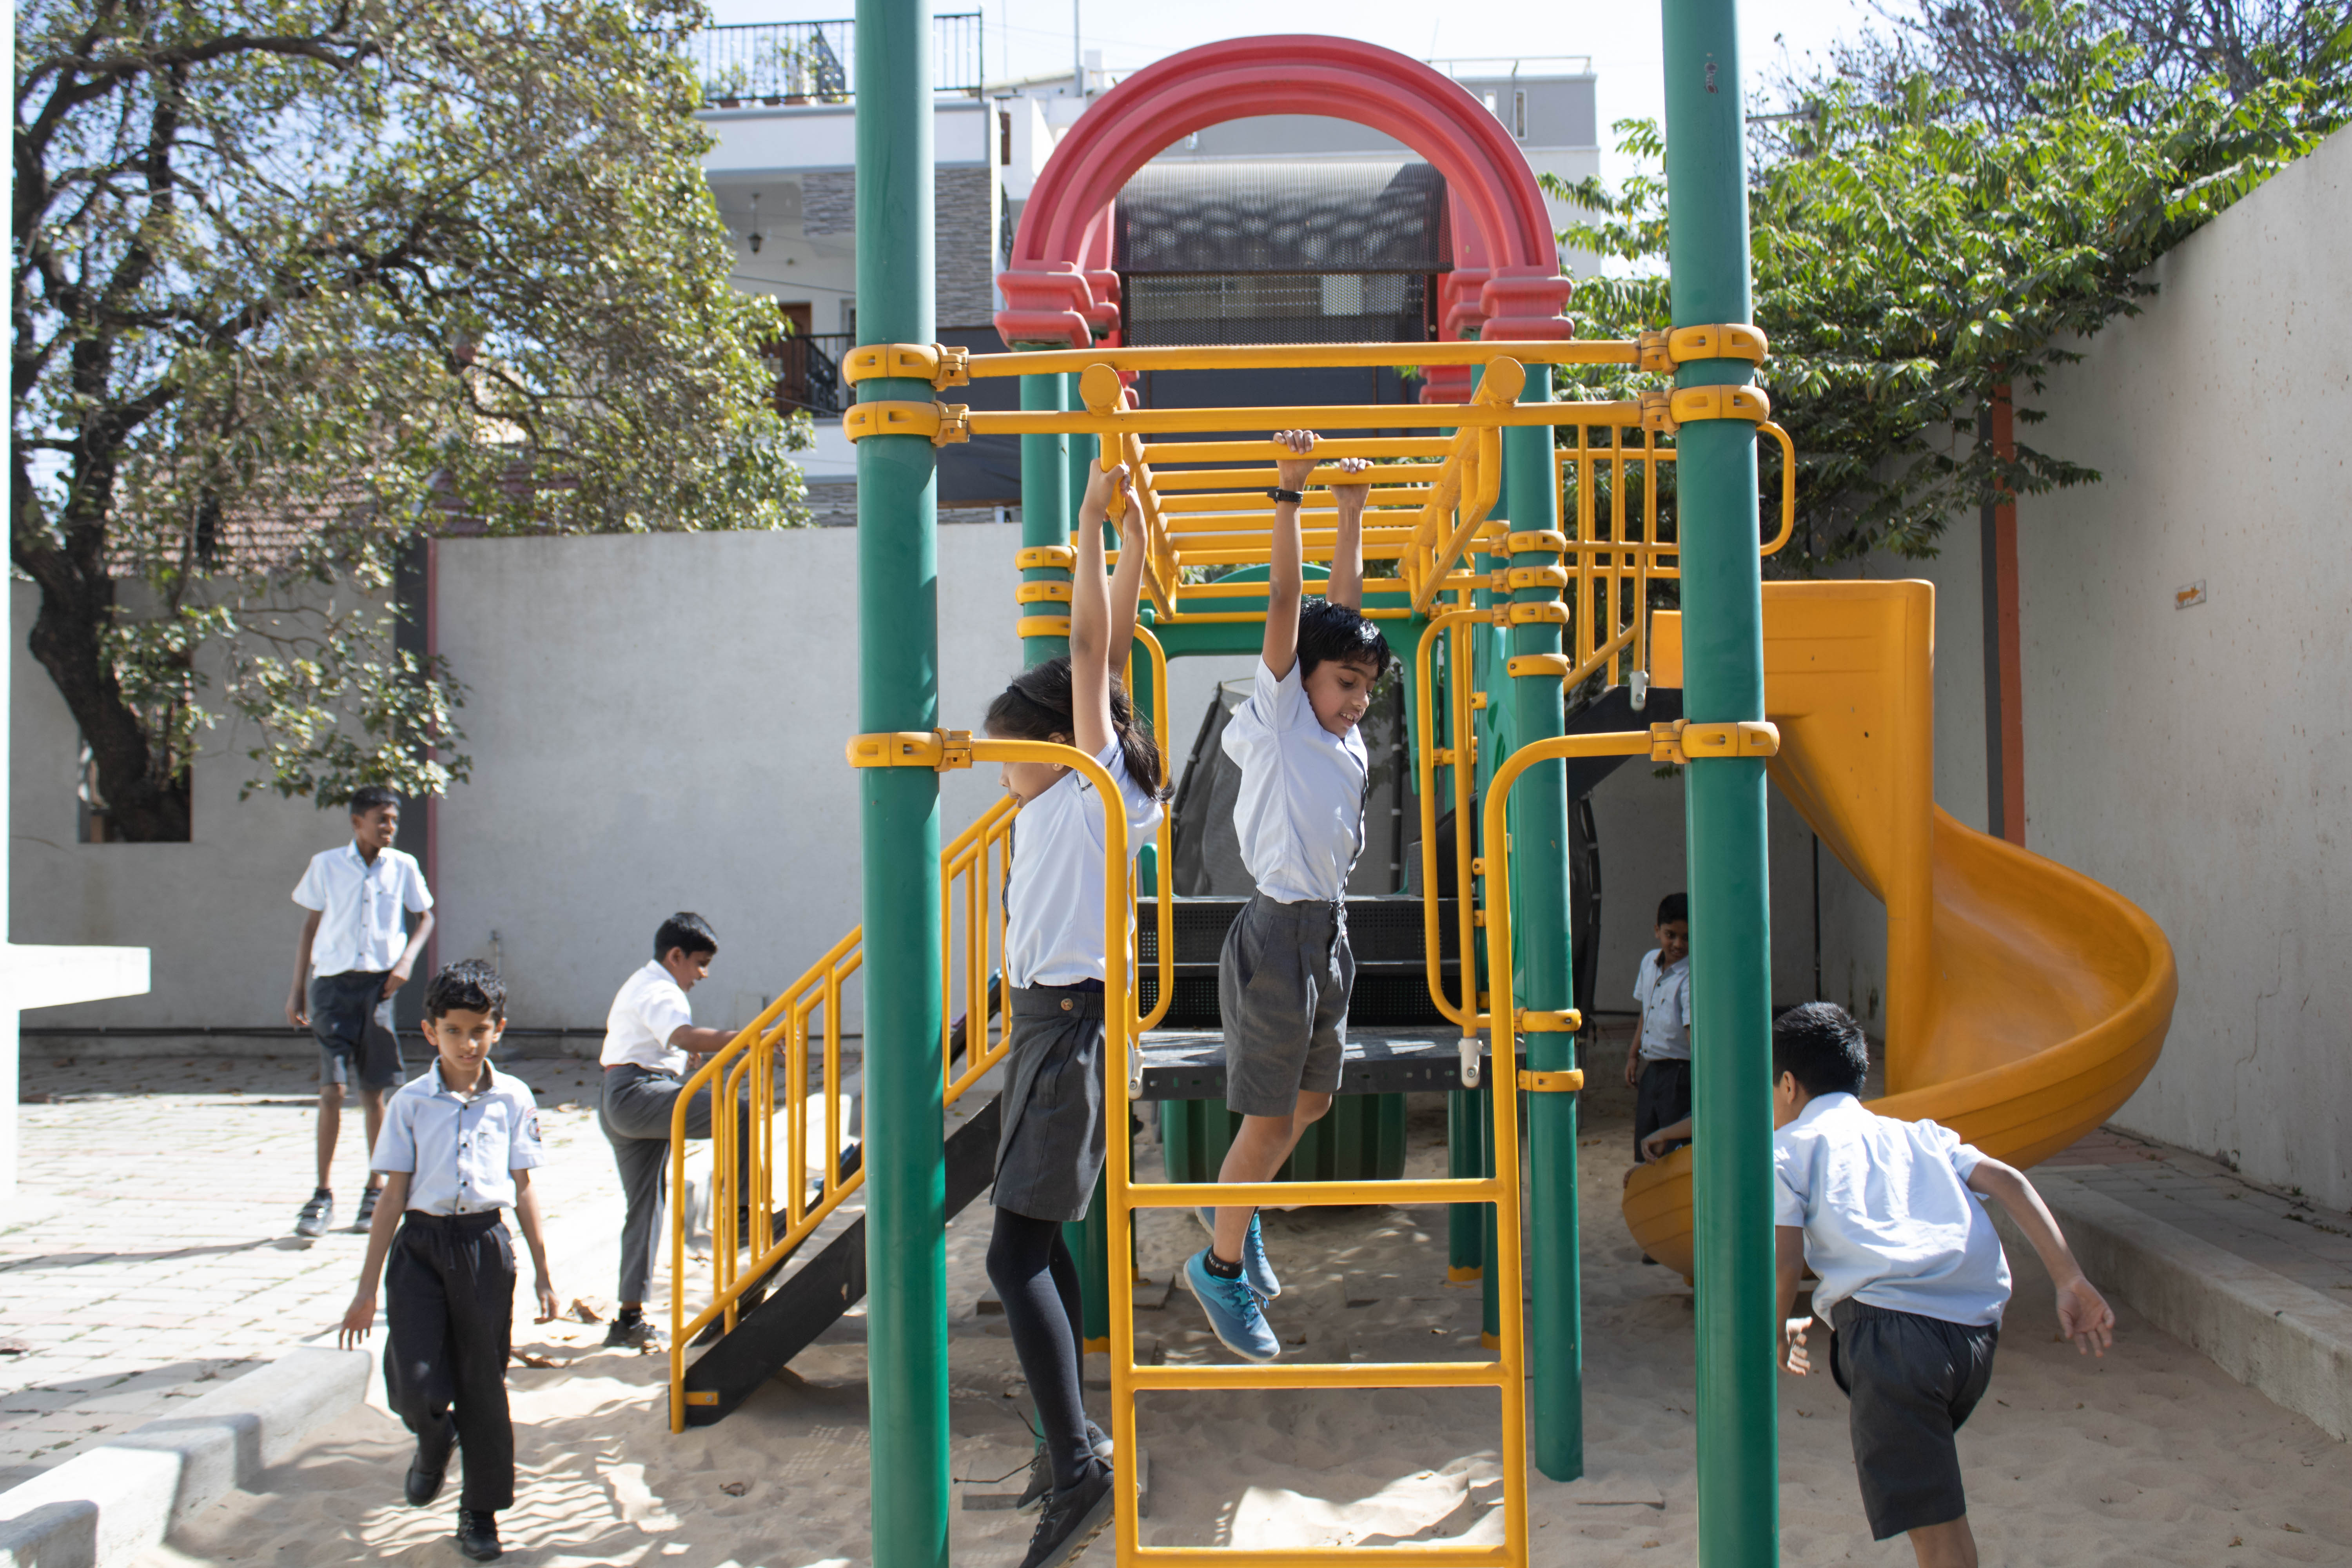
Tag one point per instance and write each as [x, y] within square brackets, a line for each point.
[1891, 1216]
[354, 953]
[458, 1146]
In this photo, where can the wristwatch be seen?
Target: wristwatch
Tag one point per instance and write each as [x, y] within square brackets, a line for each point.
[1279, 494]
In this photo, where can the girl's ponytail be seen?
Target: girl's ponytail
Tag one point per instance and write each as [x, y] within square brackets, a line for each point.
[1036, 705]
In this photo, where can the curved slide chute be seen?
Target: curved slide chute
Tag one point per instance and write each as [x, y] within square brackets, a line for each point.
[2024, 1001]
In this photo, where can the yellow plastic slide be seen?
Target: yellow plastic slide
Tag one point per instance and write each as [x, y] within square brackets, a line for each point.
[2024, 1001]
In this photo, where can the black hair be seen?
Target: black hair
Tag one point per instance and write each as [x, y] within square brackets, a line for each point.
[1329, 631]
[367, 797]
[1675, 907]
[468, 985]
[1038, 704]
[687, 930]
[1823, 1047]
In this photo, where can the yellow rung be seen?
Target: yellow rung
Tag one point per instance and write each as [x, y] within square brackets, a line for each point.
[1239, 1195]
[1324, 1375]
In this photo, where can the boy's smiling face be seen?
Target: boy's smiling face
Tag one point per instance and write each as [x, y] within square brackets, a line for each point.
[1339, 692]
[376, 828]
[1673, 943]
[463, 1039]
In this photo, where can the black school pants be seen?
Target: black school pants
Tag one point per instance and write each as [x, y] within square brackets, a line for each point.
[449, 1305]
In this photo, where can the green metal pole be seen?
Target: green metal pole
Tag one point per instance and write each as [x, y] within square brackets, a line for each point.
[1538, 859]
[897, 635]
[1045, 510]
[1723, 680]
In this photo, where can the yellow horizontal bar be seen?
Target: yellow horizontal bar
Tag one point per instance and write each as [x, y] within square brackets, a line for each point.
[1436, 1554]
[1159, 452]
[1274, 1195]
[1307, 356]
[1265, 479]
[1360, 417]
[1230, 500]
[1323, 1375]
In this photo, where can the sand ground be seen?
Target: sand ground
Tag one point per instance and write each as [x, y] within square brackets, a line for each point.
[2151, 1455]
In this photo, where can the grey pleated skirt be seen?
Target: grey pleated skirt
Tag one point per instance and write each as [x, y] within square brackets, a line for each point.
[1050, 1152]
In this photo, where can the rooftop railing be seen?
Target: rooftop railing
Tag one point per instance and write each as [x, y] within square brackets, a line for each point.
[768, 63]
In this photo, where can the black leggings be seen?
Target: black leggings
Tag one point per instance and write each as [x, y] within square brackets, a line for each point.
[1038, 1283]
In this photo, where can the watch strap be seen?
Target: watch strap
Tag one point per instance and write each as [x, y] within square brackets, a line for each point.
[1278, 494]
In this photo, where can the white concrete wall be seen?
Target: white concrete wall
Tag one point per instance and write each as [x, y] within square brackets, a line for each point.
[656, 722]
[2197, 760]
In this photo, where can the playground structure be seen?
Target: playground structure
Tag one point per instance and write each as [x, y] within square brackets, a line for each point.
[1524, 536]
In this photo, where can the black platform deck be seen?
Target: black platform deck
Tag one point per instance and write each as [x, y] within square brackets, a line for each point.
[1189, 1063]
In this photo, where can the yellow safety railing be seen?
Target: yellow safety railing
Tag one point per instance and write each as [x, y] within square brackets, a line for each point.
[973, 868]
[1164, 836]
[1460, 755]
[1610, 626]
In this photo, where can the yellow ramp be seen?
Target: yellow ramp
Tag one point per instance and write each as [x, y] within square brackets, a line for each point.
[2024, 1001]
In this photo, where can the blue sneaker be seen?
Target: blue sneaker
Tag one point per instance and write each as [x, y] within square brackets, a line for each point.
[1232, 1310]
[1254, 1266]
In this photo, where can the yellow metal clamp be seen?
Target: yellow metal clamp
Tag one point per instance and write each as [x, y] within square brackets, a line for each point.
[1033, 593]
[1477, 699]
[1043, 627]
[1661, 351]
[1566, 1082]
[1667, 412]
[1548, 539]
[1566, 1021]
[1050, 557]
[1537, 577]
[944, 423]
[1549, 613]
[1736, 340]
[941, 364]
[935, 749]
[1554, 665]
[1682, 742]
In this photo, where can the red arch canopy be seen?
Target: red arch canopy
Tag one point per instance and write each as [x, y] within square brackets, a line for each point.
[1507, 277]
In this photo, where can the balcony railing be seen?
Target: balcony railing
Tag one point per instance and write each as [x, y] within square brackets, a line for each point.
[816, 62]
[807, 368]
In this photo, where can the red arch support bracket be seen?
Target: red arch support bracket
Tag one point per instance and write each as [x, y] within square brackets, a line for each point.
[1506, 282]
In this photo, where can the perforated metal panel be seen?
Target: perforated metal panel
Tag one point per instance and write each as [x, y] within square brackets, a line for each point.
[1193, 310]
[1251, 217]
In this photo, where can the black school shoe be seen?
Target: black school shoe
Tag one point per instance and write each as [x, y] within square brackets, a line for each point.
[631, 1331]
[1040, 1469]
[477, 1535]
[1074, 1517]
[426, 1470]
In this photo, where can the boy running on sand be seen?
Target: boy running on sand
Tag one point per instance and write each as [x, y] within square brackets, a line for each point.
[1891, 1216]
[1284, 976]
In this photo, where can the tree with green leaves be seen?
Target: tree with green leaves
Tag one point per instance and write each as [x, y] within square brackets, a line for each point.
[299, 282]
[1913, 261]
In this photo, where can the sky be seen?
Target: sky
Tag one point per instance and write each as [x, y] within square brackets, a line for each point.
[1031, 38]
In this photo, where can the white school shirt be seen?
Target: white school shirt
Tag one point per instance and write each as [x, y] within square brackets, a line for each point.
[1053, 898]
[461, 1152]
[1300, 813]
[361, 928]
[1888, 1216]
[1665, 999]
[648, 1009]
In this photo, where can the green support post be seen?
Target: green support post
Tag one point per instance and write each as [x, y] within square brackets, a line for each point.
[1045, 510]
[1538, 862]
[1723, 680]
[899, 809]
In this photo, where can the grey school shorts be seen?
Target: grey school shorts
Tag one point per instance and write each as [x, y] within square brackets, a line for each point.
[1282, 987]
[1914, 1381]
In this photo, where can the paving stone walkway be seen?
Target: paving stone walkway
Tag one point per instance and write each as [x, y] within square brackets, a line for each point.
[151, 1251]
[2284, 1232]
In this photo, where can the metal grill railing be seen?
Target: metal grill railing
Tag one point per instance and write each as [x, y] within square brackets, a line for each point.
[816, 62]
